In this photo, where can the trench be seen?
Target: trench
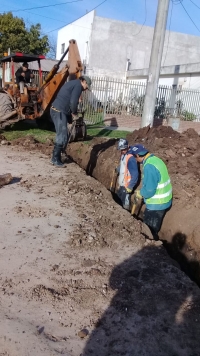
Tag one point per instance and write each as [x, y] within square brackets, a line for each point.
[180, 231]
[98, 159]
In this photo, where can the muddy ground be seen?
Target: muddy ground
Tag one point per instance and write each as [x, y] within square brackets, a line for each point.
[72, 259]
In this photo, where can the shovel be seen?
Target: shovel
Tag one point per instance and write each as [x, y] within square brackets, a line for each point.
[114, 180]
[137, 203]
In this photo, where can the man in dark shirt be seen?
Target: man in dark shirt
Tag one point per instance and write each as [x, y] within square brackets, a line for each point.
[23, 76]
[66, 104]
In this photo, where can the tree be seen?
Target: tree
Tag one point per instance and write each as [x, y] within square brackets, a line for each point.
[52, 48]
[15, 35]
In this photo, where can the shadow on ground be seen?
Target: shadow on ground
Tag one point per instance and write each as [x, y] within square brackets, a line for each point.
[187, 258]
[155, 310]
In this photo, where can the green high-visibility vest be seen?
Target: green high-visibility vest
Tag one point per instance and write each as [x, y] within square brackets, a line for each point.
[163, 193]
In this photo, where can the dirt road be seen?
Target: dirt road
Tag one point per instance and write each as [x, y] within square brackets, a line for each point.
[71, 259]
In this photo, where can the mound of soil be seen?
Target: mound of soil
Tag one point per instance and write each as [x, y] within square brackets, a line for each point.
[30, 143]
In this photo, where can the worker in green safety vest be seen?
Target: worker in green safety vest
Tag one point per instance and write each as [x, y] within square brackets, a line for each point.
[156, 188]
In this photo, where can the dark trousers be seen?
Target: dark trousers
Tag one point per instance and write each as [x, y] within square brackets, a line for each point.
[124, 197]
[60, 122]
[153, 219]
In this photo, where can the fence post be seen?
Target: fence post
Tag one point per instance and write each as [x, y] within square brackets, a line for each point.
[105, 98]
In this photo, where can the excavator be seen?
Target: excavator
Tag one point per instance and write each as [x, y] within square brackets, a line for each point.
[35, 101]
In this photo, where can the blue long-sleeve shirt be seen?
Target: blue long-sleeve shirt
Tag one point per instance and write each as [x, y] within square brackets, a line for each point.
[133, 169]
[68, 96]
[151, 178]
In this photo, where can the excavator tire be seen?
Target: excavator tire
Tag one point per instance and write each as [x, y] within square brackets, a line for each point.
[8, 114]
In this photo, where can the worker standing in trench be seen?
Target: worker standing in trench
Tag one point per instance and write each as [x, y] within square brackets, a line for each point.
[64, 105]
[128, 174]
[156, 188]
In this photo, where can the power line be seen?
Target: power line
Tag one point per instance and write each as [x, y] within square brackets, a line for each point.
[69, 23]
[41, 7]
[46, 17]
[177, 2]
[189, 17]
[194, 4]
[168, 35]
[145, 18]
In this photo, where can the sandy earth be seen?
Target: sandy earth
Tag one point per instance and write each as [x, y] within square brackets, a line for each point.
[71, 259]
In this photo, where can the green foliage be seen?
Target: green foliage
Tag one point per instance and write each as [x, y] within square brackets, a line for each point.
[103, 132]
[188, 116]
[23, 129]
[15, 35]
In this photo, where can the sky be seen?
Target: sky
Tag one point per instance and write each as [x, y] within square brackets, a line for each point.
[54, 17]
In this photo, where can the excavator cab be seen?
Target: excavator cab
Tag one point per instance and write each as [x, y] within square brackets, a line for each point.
[24, 100]
[35, 101]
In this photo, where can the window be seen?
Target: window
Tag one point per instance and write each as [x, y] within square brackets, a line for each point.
[62, 48]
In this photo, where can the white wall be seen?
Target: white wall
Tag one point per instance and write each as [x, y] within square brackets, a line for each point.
[190, 82]
[113, 42]
[80, 31]
[185, 82]
[162, 81]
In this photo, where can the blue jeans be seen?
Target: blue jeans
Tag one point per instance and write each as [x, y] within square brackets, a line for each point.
[153, 219]
[125, 198]
[60, 122]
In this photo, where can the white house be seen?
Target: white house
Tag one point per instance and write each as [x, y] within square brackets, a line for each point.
[115, 48]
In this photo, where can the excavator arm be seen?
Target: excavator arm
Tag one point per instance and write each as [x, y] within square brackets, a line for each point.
[55, 79]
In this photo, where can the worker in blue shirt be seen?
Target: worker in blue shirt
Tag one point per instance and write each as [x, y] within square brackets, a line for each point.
[66, 104]
[128, 174]
[156, 188]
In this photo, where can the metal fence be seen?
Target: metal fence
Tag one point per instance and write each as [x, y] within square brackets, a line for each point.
[36, 78]
[125, 98]
[119, 98]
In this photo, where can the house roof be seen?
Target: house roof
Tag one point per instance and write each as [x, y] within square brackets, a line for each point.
[46, 64]
[21, 57]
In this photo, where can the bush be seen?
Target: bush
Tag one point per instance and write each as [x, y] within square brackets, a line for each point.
[188, 116]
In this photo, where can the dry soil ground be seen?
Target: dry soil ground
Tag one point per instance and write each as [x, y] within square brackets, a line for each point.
[71, 259]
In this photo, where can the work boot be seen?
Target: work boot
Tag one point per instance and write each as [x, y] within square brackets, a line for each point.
[56, 156]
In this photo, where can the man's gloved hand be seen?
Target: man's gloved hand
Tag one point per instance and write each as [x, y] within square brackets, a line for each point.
[137, 194]
[129, 190]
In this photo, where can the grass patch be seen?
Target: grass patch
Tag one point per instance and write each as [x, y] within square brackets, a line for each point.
[23, 129]
[102, 132]
[94, 117]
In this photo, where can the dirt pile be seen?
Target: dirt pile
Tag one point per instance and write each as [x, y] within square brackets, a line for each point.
[181, 152]
[30, 143]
